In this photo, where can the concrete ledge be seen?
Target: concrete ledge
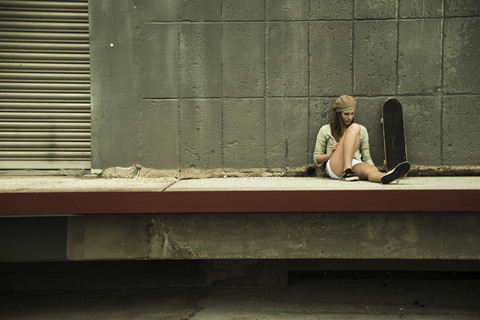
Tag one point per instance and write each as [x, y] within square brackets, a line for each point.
[74, 196]
[241, 218]
[311, 201]
[18, 184]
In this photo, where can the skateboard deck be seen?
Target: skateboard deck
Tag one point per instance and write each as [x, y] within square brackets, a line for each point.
[394, 141]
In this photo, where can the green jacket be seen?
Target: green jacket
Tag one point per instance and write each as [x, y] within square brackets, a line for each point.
[325, 141]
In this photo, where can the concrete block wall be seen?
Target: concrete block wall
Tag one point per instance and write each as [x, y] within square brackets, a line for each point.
[248, 83]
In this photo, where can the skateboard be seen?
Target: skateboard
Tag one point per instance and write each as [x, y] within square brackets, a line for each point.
[394, 141]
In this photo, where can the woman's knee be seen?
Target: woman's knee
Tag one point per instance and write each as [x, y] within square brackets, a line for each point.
[354, 128]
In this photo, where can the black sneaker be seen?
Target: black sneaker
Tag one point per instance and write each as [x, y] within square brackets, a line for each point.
[397, 173]
[348, 175]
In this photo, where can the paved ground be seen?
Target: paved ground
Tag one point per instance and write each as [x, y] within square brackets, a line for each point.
[64, 183]
[304, 299]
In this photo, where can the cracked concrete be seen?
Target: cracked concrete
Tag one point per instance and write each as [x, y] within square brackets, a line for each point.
[139, 178]
[162, 242]
[72, 184]
[310, 170]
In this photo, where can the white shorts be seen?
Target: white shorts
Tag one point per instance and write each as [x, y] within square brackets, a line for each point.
[333, 175]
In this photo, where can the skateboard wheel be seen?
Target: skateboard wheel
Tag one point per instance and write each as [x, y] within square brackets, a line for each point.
[381, 120]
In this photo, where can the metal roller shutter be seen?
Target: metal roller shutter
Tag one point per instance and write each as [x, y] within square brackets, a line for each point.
[44, 85]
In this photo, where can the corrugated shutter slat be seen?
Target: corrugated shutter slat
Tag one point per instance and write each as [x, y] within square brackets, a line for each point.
[44, 84]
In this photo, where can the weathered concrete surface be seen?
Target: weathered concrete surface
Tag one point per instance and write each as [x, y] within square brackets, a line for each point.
[112, 96]
[286, 132]
[199, 84]
[275, 236]
[419, 59]
[423, 118]
[160, 74]
[232, 181]
[462, 55]
[201, 63]
[287, 10]
[201, 133]
[455, 116]
[331, 45]
[330, 9]
[375, 9]
[260, 236]
[244, 10]
[288, 53]
[375, 58]
[244, 140]
[297, 183]
[66, 184]
[421, 8]
[243, 57]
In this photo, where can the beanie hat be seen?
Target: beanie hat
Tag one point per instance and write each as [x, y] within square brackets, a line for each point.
[344, 103]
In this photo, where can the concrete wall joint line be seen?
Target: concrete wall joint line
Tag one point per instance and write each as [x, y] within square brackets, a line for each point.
[353, 46]
[265, 79]
[179, 115]
[398, 49]
[442, 84]
[309, 79]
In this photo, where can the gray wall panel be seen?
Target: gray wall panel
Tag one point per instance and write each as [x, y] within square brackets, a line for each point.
[242, 84]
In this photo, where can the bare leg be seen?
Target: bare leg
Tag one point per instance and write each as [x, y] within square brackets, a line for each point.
[368, 172]
[343, 155]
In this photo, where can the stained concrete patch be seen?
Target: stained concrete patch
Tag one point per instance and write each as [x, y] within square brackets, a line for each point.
[120, 172]
[70, 184]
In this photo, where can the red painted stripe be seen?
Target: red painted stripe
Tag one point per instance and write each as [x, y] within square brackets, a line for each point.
[121, 202]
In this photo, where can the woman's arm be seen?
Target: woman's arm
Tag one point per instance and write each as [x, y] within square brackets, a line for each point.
[322, 158]
[321, 155]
